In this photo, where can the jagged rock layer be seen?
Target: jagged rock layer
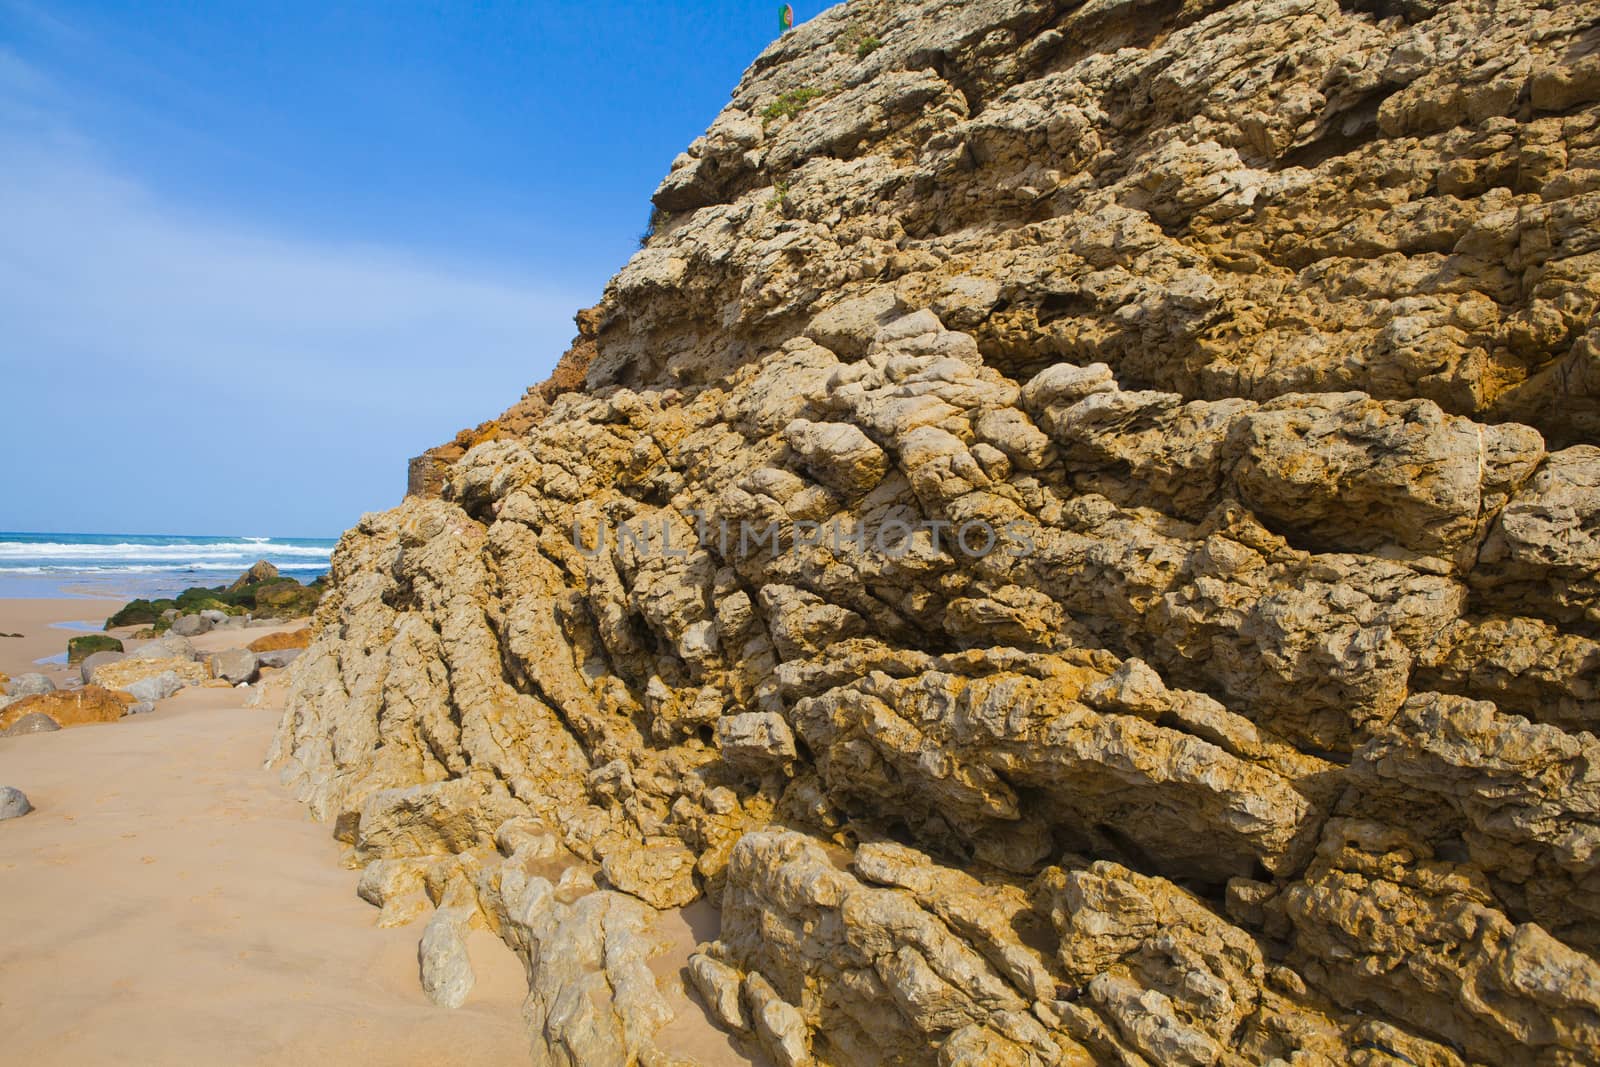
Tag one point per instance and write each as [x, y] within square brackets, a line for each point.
[1262, 337]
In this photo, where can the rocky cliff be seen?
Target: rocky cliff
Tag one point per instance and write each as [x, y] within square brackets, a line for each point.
[1080, 538]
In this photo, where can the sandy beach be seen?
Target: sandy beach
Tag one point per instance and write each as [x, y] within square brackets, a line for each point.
[168, 903]
[41, 635]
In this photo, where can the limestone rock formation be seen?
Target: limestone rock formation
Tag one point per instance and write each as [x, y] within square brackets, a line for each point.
[1078, 537]
[425, 475]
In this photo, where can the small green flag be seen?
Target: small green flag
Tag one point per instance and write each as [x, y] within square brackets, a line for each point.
[785, 19]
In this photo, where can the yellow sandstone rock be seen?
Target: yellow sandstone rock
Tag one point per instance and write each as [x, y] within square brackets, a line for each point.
[286, 639]
[124, 672]
[69, 707]
[1078, 533]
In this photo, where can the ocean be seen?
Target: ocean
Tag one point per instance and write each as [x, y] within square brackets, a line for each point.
[140, 565]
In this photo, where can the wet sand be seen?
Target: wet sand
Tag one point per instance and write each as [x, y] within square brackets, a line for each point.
[33, 619]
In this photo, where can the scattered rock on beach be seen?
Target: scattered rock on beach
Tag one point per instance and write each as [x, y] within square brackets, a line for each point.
[171, 646]
[279, 658]
[141, 708]
[300, 638]
[77, 707]
[235, 665]
[13, 803]
[155, 687]
[124, 673]
[135, 613]
[97, 660]
[31, 684]
[83, 646]
[35, 722]
[260, 591]
[192, 625]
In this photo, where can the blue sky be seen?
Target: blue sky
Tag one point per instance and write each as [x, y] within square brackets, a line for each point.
[255, 255]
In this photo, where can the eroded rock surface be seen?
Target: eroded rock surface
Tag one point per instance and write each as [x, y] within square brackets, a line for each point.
[1078, 536]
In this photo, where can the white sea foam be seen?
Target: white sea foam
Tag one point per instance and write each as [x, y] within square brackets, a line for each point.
[132, 553]
[139, 568]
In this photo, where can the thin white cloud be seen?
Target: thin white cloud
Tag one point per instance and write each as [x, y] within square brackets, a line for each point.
[131, 303]
[91, 261]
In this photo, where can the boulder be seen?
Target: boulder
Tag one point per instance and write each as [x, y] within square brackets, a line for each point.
[30, 684]
[141, 708]
[235, 665]
[13, 803]
[135, 613]
[260, 571]
[172, 646]
[79, 707]
[279, 658]
[155, 687]
[286, 639]
[124, 673]
[81, 647]
[95, 661]
[215, 617]
[36, 722]
[286, 599]
[191, 625]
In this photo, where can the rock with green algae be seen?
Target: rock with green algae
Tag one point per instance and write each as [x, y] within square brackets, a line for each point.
[86, 645]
